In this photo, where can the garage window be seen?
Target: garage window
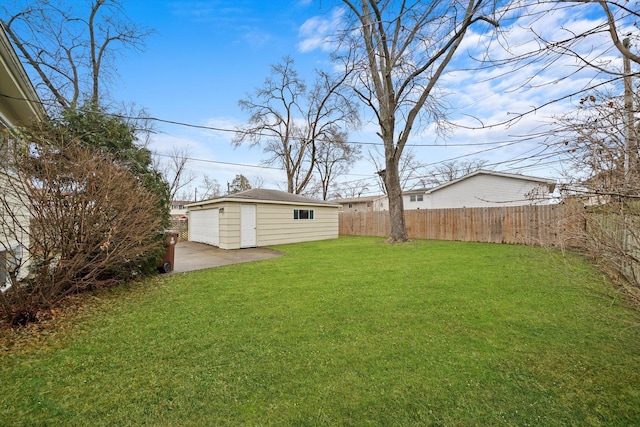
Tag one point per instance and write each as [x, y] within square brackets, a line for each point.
[303, 214]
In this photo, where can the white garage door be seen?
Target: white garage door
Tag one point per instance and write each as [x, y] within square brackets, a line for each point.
[204, 226]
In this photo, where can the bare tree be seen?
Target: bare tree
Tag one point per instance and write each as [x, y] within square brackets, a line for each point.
[597, 141]
[211, 188]
[350, 189]
[410, 169]
[601, 175]
[239, 183]
[334, 158]
[400, 49]
[173, 168]
[586, 56]
[71, 47]
[208, 188]
[618, 20]
[597, 154]
[257, 181]
[452, 170]
[289, 120]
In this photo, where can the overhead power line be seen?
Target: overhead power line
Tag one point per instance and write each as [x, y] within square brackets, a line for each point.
[195, 159]
[491, 145]
[240, 131]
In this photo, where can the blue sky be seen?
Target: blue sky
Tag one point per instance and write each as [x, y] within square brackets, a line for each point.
[206, 55]
[203, 58]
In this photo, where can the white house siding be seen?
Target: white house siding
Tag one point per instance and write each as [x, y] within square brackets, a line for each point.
[357, 206]
[408, 204]
[18, 107]
[363, 204]
[276, 225]
[381, 204]
[14, 238]
[483, 190]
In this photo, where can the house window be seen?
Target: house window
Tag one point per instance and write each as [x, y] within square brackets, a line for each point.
[350, 205]
[303, 214]
[416, 198]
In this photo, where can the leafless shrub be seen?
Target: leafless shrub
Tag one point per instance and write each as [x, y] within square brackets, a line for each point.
[91, 223]
[600, 143]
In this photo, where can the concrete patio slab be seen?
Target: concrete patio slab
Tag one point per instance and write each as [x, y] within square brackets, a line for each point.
[191, 256]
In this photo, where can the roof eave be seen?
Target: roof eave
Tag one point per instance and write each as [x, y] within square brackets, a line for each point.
[264, 201]
[548, 182]
[25, 86]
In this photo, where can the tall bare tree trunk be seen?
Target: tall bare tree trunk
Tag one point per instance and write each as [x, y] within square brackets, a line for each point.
[396, 205]
[400, 49]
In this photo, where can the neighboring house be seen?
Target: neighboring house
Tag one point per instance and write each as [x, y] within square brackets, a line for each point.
[478, 189]
[19, 105]
[178, 209]
[597, 190]
[415, 199]
[486, 188]
[363, 204]
[261, 217]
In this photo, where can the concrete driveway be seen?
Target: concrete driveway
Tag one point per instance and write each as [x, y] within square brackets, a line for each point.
[190, 256]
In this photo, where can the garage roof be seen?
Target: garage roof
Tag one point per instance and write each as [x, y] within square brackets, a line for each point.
[266, 196]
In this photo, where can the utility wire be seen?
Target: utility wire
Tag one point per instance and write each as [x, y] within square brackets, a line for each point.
[240, 131]
[493, 145]
[221, 163]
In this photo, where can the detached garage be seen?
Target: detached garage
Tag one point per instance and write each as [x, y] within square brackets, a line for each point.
[261, 218]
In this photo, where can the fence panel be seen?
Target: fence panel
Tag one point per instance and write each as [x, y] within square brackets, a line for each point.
[182, 227]
[547, 225]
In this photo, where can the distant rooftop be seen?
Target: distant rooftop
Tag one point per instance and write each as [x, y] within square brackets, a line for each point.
[265, 195]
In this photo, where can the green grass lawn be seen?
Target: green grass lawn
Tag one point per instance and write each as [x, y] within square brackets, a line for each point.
[345, 332]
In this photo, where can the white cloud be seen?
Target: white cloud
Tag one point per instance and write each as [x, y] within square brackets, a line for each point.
[319, 32]
[256, 38]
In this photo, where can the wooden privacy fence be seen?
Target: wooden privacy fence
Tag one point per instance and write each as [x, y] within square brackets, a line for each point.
[616, 235]
[548, 225]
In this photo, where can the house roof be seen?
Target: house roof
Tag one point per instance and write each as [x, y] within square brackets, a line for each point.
[415, 191]
[544, 181]
[358, 199]
[266, 196]
[21, 103]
